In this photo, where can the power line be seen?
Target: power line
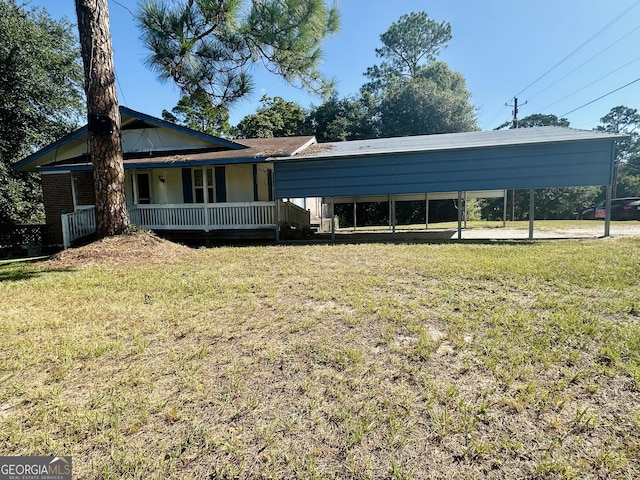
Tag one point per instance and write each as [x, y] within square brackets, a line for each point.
[573, 52]
[603, 96]
[495, 117]
[584, 63]
[592, 83]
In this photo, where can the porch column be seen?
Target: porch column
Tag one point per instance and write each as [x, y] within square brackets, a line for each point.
[277, 221]
[134, 177]
[532, 211]
[205, 192]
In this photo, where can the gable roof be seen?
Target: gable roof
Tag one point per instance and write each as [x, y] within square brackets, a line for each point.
[141, 125]
[254, 150]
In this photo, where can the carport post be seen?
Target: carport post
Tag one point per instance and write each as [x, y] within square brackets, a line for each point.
[504, 211]
[355, 216]
[393, 215]
[607, 218]
[426, 209]
[459, 215]
[532, 211]
[333, 221]
[465, 210]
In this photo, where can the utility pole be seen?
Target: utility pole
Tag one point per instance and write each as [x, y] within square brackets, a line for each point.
[514, 124]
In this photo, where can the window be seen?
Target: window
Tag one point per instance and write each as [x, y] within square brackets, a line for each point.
[203, 185]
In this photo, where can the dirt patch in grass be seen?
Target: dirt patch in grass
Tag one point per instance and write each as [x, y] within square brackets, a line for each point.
[131, 248]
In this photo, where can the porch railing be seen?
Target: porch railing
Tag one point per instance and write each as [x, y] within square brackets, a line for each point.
[294, 215]
[218, 216]
[78, 224]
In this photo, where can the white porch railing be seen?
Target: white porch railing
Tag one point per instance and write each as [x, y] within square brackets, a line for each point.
[216, 216]
[78, 224]
[186, 216]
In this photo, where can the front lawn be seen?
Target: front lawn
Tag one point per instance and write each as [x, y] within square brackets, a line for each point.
[509, 360]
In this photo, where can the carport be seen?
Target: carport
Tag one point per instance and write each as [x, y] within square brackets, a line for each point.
[450, 165]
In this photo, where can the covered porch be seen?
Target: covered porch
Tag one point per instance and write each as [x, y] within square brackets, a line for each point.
[269, 216]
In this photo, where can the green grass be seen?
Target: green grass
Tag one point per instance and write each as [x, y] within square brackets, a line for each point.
[349, 361]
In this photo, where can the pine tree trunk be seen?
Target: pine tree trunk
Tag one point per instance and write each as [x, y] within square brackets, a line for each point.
[105, 145]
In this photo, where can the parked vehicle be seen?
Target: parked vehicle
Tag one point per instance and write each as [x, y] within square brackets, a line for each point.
[590, 213]
[621, 209]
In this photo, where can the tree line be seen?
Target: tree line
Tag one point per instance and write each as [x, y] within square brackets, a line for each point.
[208, 48]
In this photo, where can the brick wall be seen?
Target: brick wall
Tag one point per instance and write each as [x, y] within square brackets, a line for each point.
[58, 196]
[85, 191]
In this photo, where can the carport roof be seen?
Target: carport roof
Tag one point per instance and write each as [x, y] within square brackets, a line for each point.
[451, 141]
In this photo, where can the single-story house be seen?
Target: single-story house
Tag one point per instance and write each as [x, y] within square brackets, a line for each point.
[177, 180]
[180, 180]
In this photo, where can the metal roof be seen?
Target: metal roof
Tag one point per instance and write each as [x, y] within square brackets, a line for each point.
[451, 141]
[542, 157]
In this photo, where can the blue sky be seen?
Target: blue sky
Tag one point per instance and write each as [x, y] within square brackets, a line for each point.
[502, 47]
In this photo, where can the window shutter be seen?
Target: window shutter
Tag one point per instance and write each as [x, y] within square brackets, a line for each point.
[221, 185]
[187, 190]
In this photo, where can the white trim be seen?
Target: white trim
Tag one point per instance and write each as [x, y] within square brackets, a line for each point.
[312, 141]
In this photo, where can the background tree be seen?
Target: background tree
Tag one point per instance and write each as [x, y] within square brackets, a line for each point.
[198, 112]
[409, 45]
[537, 120]
[435, 101]
[349, 118]
[416, 94]
[105, 144]
[274, 118]
[625, 120]
[40, 100]
[211, 45]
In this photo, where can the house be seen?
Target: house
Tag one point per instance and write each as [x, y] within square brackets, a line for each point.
[178, 181]
[182, 181]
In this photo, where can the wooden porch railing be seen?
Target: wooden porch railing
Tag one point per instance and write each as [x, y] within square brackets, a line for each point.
[78, 224]
[218, 216]
[294, 215]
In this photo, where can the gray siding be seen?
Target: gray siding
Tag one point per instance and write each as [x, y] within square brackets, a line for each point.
[559, 164]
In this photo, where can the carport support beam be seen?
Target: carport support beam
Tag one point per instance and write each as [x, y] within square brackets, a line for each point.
[504, 211]
[333, 221]
[426, 210]
[607, 218]
[532, 211]
[459, 215]
[355, 215]
[393, 215]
